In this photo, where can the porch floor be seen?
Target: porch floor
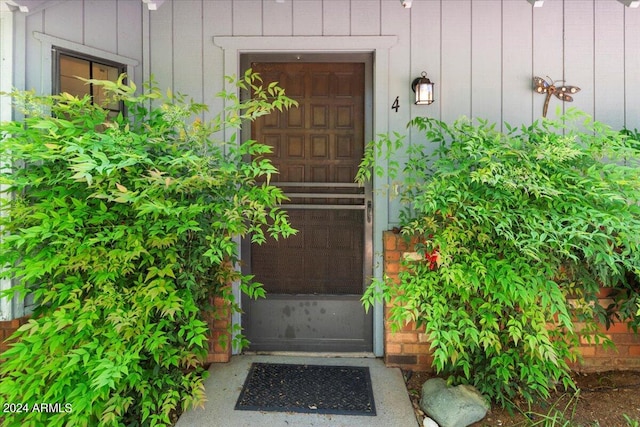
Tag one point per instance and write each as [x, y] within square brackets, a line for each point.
[224, 384]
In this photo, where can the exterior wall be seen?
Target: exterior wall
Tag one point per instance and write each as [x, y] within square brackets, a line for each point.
[409, 348]
[481, 55]
[99, 28]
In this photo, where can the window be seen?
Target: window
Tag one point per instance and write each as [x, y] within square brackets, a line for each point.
[68, 66]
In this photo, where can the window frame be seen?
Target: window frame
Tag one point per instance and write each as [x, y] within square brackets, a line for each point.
[49, 42]
[57, 77]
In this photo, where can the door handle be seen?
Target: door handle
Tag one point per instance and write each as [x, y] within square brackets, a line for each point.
[369, 210]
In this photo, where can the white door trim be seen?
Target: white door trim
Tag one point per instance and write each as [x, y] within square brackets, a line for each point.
[380, 45]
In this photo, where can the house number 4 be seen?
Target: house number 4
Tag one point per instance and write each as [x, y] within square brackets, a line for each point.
[396, 104]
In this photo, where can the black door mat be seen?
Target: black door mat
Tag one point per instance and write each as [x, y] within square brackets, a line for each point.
[339, 390]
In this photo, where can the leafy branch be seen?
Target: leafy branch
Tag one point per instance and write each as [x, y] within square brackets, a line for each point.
[123, 229]
[518, 232]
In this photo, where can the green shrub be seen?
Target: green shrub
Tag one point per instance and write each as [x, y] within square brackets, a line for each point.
[122, 229]
[518, 231]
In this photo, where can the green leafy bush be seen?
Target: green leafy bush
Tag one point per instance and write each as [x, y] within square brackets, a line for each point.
[122, 229]
[518, 230]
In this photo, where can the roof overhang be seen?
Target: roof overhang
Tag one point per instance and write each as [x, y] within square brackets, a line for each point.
[27, 6]
[153, 4]
[630, 3]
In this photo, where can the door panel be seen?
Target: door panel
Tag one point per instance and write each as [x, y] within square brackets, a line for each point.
[314, 280]
[323, 323]
[324, 257]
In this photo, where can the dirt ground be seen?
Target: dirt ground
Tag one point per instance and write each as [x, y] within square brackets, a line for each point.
[603, 401]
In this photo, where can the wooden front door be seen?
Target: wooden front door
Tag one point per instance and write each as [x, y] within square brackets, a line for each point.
[314, 280]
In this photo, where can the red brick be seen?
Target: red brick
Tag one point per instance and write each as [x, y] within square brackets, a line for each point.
[393, 348]
[390, 240]
[618, 328]
[403, 337]
[411, 327]
[218, 358]
[219, 349]
[590, 340]
[402, 244]
[400, 360]
[415, 348]
[621, 350]
[219, 302]
[411, 342]
[626, 339]
[587, 351]
[391, 267]
[220, 324]
[423, 338]
[392, 256]
[425, 361]
[415, 240]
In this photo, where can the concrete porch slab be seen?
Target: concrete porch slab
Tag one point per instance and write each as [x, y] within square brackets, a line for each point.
[224, 384]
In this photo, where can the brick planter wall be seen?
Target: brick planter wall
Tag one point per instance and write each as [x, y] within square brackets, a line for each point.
[409, 348]
[7, 328]
[219, 326]
[626, 355]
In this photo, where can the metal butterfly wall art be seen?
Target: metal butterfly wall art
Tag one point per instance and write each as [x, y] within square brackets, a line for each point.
[563, 93]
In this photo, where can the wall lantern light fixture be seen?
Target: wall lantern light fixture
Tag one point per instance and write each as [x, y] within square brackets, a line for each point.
[423, 88]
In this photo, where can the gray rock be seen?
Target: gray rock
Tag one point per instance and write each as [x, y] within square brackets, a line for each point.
[452, 406]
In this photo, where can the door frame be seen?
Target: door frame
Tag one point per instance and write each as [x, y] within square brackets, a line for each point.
[246, 59]
[379, 47]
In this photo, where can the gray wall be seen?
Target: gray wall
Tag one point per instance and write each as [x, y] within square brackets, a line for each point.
[481, 54]
[95, 27]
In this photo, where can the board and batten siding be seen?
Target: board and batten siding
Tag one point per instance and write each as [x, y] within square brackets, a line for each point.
[106, 29]
[481, 54]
